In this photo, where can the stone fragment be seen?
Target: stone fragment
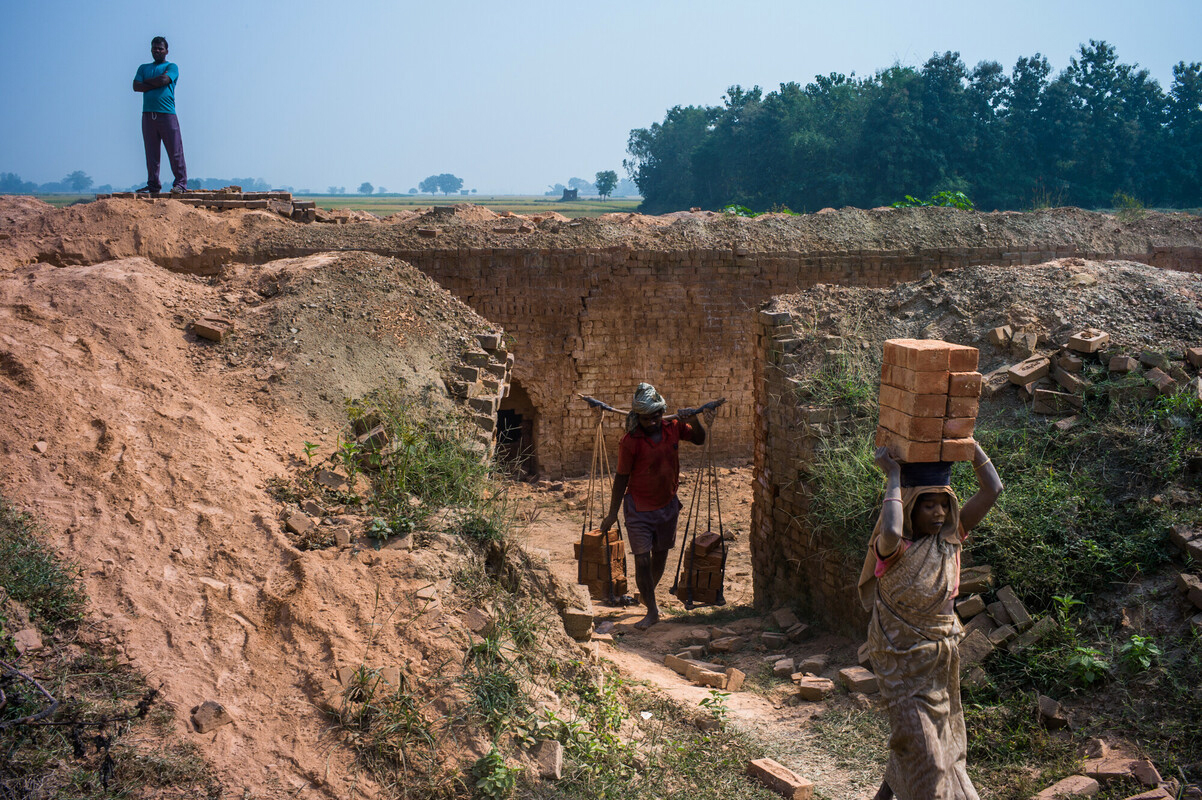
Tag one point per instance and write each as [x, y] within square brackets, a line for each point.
[1072, 786]
[780, 779]
[1051, 714]
[1023, 343]
[479, 622]
[734, 679]
[798, 632]
[1152, 794]
[209, 716]
[698, 636]
[578, 623]
[27, 640]
[298, 522]
[970, 606]
[858, 679]
[784, 618]
[695, 652]
[975, 677]
[721, 633]
[728, 644]
[812, 688]
[331, 479]
[974, 648]
[1000, 336]
[549, 755]
[863, 655]
[1151, 358]
[1014, 608]
[815, 664]
[1067, 423]
[783, 668]
[1145, 772]
[40, 446]
[1095, 748]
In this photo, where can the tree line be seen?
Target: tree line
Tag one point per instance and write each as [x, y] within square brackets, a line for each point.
[1027, 139]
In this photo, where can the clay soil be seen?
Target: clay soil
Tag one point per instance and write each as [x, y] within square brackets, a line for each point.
[160, 449]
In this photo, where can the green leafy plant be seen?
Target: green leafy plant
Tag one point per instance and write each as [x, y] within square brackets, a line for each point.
[737, 210]
[348, 454]
[1087, 665]
[1127, 208]
[494, 779]
[1140, 652]
[310, 449]
[942, 199]
[716, 705]
[1064, 605]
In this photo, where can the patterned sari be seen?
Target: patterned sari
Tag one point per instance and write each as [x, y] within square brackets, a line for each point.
[913, 638]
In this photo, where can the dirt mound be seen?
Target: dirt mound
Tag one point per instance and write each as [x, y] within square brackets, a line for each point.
[155, 481]
[17, 209]
[1139, 306]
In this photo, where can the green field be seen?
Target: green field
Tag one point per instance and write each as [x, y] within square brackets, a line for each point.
[383, 205]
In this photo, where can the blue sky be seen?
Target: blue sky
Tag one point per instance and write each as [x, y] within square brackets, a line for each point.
[511, 97]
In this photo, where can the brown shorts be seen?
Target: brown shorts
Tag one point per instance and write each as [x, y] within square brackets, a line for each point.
[651, 530]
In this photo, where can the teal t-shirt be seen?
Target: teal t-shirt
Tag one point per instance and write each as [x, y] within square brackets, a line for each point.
[162, 99]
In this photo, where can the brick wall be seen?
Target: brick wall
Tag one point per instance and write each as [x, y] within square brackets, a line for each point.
[598, 321]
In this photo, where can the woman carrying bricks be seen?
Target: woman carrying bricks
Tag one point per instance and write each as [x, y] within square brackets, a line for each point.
[910, 579]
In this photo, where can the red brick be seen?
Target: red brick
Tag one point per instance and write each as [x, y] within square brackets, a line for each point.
[958, 427]
[1000, 336]
[783, 781]
[1070, 362]
[916, 405]
[906, 450]
[962, 358]
[957, 450]
[914, 382]
[1194, 356]
[1090, 340]
[920, 355]
[918, 429]
[1123, 364]
[964, 384]
[1029, 371]
[1048, 402]
[963, 406]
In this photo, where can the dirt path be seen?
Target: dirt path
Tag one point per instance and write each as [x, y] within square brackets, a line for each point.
[551, 515]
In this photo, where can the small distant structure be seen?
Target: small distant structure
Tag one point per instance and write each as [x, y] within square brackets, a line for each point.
[570, 194]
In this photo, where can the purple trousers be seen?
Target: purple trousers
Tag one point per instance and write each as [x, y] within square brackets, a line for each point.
[163, 129]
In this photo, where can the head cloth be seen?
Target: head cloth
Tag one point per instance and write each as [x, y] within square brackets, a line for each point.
[646, 401]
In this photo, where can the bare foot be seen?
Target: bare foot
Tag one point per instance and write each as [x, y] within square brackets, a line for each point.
[647, 621]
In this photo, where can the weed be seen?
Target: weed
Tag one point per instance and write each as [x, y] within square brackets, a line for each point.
[737, 210]
[494, 780]
[1087, 665]
[1043, 197]
[945, 199]
[1140, 652]
[1127, 208]
[716, 705]
[49, 589]
[310, 449]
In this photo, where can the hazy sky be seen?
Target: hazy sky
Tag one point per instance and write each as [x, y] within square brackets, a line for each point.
[510, 97]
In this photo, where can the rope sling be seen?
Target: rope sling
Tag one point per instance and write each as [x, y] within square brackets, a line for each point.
[600, 485]
[592, 540]
[707, 555]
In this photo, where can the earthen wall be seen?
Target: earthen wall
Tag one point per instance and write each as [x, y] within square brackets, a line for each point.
[598, 321]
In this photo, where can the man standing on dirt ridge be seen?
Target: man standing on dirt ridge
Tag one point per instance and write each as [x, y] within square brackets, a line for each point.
[649, 467]
[156, 81]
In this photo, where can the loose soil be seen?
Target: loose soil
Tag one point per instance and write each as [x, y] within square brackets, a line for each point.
[161, 448]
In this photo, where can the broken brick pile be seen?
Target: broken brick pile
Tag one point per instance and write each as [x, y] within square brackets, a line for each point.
[928, 400]
[481, 381]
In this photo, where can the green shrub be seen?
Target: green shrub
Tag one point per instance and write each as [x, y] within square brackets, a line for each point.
[49, 589]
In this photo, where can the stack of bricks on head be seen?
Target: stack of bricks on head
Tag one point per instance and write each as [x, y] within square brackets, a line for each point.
[930, 392]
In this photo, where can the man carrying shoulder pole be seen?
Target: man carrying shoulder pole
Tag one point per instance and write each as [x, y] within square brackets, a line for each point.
[645, 486]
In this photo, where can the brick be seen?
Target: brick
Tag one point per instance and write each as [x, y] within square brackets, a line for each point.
[1072, 786]
[783, 781]
[706, 677]
[981, 622]
[917, 429]
[964, 384]
[812, 687]
[1029, 371]
[1000, 336]
[863, 655]
[999, 636]
[1123, 364]
[916, 405]
[999, 613]
[677, 664]
[976, 579]
[958, 427]
[1153, 358]
[214, 329]
[774, 641]
[906, 450]
[994, 382]
[1042, 628]
[1070, 362]
[728, 644]
[1090, 340]
[957, 450]
[734, 679]
[1194, 356]
[1014, 607]
[783, 618]
[858, 679]
[1163, 382]
[1051, 714]
[1049, 402]
[1067, 423]
[914, 382]
[966, 407]
[815, 663]
[1069, 381]
[783, 667]
[920, 355]
[970, 606]
[974, 648]
[962, 358]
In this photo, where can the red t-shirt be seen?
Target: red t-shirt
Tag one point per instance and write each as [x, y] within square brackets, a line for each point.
[653, 467]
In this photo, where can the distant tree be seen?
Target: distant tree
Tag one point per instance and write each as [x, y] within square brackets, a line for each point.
[366, 188]
[79, 181]
[556, 190]
[581, 185]
[473, 191]
[381, 190]
[606, 181]
[429, 185]
[332, 190]
[449, 183]
[11, 183]
[413, 190]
